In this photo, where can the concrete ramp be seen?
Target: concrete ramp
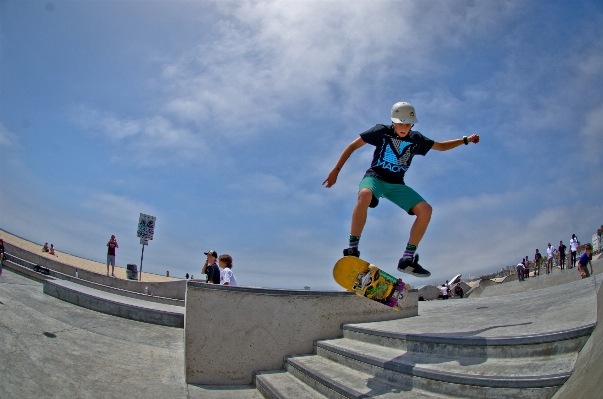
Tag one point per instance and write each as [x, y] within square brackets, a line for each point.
[544, 281]
[586, 380]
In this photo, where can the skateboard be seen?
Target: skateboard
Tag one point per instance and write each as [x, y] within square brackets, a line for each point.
[367, 280]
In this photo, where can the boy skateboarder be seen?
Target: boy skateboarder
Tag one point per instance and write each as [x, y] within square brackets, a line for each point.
[395, 146]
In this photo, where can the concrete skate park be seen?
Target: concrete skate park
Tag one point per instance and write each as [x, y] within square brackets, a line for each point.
[78, 333]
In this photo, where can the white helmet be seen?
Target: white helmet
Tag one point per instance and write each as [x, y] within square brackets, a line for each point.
[404, 113]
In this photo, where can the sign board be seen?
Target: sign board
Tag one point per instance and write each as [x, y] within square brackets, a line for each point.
[146, 227]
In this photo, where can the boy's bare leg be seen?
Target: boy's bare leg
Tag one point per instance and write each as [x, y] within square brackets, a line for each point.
[360, 211]
[423, 212]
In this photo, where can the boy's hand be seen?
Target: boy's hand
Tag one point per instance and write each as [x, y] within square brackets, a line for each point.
[474, 138]
[332, 178]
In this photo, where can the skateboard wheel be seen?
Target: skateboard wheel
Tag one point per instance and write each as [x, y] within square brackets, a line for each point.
[359, 293]
[372, 268]
[398, 308]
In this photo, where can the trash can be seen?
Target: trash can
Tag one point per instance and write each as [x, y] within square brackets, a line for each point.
[132, 271]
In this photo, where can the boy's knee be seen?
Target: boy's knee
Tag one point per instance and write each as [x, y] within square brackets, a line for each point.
[365, 196]
[422, 209]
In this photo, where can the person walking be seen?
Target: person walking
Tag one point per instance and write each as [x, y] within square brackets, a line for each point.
[111, 247]
[395, 146]
[573, 250]
[561, 250]
[537, 261]
[549, 258]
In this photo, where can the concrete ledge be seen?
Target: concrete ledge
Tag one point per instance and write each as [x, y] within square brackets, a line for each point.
[24, 270]
[230, 332]
[128, 308]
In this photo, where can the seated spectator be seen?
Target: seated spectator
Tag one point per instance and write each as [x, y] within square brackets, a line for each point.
[45, 247]
[458, 290]
[226, 277]
[51, 250]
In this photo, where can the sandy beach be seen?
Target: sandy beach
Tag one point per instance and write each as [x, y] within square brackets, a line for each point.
[76, 261]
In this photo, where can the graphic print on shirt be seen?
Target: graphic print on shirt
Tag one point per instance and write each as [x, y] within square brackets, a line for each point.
[395, 160]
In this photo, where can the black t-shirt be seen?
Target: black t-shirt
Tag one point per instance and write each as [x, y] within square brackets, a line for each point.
[393, 154]
[213, 273]
[562, 249]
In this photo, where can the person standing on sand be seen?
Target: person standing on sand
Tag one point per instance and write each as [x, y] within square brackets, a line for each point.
[111, 247]
[395, 147]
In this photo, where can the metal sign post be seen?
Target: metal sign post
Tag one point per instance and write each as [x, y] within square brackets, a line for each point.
[146, 229]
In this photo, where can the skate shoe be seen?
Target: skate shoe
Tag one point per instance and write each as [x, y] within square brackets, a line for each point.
[411, 266]
[353, 251]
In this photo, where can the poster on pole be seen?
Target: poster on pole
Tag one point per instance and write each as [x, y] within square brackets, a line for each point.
[146, 227]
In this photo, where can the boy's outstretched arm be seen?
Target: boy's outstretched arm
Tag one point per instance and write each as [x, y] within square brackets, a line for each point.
[450, 144]
[353, 146]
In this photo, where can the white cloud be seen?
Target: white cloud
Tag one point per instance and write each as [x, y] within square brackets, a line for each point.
[269, 58]
[155, 134]
[7, 138]
[592, 134]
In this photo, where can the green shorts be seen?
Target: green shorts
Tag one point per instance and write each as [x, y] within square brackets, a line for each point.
[400, 194]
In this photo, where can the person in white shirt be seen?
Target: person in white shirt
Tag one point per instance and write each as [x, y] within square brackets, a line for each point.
[444, 291]
[227, 277]
[549, 258]
[520, 271]
[573, 249]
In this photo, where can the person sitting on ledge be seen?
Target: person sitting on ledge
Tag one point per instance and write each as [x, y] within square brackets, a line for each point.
[51, 250]
[45, 247]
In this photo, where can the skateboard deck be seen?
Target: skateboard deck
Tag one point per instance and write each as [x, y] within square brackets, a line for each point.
[367, 280]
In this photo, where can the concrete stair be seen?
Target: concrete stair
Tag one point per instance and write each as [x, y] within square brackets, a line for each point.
[419, 358]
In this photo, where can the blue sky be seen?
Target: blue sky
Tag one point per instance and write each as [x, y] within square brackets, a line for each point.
[222, 119]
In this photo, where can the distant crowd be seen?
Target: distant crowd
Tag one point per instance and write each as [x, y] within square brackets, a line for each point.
[558, 257]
